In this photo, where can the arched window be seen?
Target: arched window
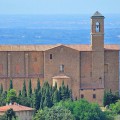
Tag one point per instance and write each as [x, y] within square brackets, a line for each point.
[97, 27]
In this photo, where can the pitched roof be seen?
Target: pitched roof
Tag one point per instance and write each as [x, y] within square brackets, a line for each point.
[97, 14]
[78, 47]
[61, 76]
[15, 107]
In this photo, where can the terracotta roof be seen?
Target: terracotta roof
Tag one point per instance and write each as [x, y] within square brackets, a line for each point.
[61, 76]
[15, 107]
[112, 47]
[78, 47]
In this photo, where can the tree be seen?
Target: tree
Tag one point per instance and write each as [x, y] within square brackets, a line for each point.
[3, 117]
[36, 99]
[19, 94]
[10, 114]
[115, 107]
[1, 88]
[3, 97]
[30, 89]
[11, 85]
[47, 101]
[83, 110]
[24, 92]
[56, 96]
[38, 85]
[109, 98]
[54, 113]
[11, 96]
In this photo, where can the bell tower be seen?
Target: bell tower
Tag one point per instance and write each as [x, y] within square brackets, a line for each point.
[97, 31]
[97, 44]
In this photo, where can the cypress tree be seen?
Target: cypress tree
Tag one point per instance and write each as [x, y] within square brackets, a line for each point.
[1, 88]
[19, 94]
[41, 102]
[24, 92]
[55, 87]
[36, 102]
[11, 85]
[38, 85]
[47, 100]
[63, 91]
[56, 97]
[30, 89]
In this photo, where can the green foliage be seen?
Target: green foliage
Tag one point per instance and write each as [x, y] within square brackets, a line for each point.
[109, 115]
[11, 85]
[1, 89]
[54, 113]
[109, 98]
[38, 85]
[115, 108]
[3, 97]
[29, 89]
[10, 114]
[11, 96]
[3, 117]
[37, 99]
[24, 101]
[24, 91]
[41, 97]
[83, 110]
[56, 96]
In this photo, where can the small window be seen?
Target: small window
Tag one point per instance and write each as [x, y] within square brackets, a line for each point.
[97, 27]
[94, 96]
[90, 74]
[50, 56]
[94, 89]
[61, 68]
[106, 68]
[82, 96]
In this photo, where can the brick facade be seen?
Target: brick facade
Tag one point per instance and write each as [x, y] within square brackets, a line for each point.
[87, 69]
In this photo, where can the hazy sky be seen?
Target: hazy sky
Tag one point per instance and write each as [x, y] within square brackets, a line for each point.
[58, 6]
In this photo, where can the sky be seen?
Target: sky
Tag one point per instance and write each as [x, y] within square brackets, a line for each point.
[59, 6]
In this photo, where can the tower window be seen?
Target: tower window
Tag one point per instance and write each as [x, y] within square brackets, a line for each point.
[61, 68]
[94, 96]
[97, 27]
[50, 56]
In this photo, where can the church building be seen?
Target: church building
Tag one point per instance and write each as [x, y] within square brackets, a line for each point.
[88, 70]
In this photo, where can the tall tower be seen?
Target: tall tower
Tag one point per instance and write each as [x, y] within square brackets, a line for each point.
[97, 44]
[97, 31]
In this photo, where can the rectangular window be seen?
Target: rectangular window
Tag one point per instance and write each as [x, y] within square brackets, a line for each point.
[82, 96]
[106, 68]
[50, 56]
[61, 68]
[94, 96]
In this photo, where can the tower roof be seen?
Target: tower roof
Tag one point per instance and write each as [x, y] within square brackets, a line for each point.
[97, 14]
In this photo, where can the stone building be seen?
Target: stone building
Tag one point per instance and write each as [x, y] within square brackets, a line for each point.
[21, 112]
[87, 69]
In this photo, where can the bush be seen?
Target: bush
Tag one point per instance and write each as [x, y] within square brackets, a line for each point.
[54, 113]
[83, 110]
